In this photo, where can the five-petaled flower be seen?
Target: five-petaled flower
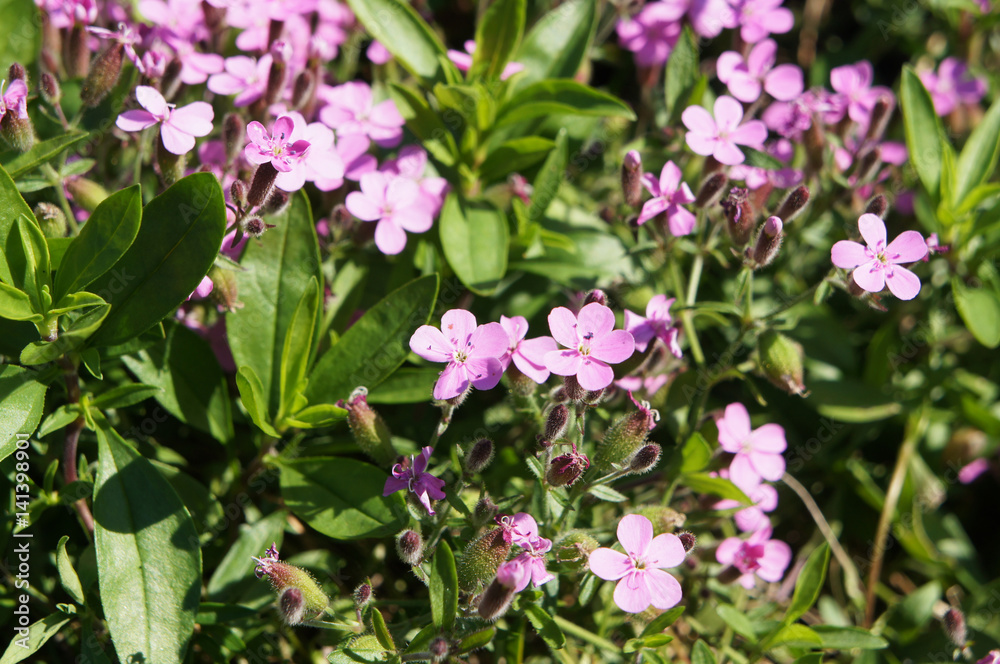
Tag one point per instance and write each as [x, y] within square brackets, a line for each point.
[178, 126]
[528, 355]
[472, 352]
[759, 555]
[278, 148]
[878, 265]
[745, 78]
[639, 571]
[669, 193]
[720, 135]
[592, 344]
[758, 451]
[412, 475]
[657, 324]
[395, 203]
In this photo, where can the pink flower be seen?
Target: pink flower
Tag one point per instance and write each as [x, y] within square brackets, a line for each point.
[204, 289]
[124, 36]
[276, 148]
[353, 151]
[16, 99]
[244, 77]
[463, 61]
[320, 163]
[993, 656]
[640, 569]
[178, 126]
[519, 529]
[759, 18]
[394, 203]
[878, 265]
[758, 451]
[934, 245]
[746, 78]
[472, 352]
[669, 193]
[854, 85]
[528, 355]
[759, 555]
[413, 476]
[592, 343]
[377, 53]
[709, 17]
[411, 164]
[350, 110]
[952, 85]
[753, 518]
[720, 135]
[657, 324]
[969, 472]
[527, 566]
[652, 33]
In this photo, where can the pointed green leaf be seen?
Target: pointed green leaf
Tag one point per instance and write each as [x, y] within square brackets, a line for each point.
[252, 394]
[40, 153]
[795, 636]
[476, 640]
[682, 73]
[514, 155]
[23, 399]
[561, 96]
[498, 36]
[476, 241]
[400, 29]
[924, 134]
[78, 330]
[125, 395]
[545, 626]
[381, 630]
[695, 454]
[550, 177]
[57, 419]
[148, 555]
[317, 416]
[980, 154]
[299, 346]
[846, 638]
[102, 241]
[16, 305]
[28, 259]
[12, 206]
[75, 301]
[425, 124]
[702, 654]
[704, 483]
[663, 621]
[980, 309]
[38, 634]
[557, 45]
[809, 584]
[67, 575]
[738, 620]
[444, 588]
[178, 240]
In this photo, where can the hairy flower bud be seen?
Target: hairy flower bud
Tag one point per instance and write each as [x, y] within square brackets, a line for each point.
[292, 605]
[233, 129]
[632, 178]
[780, 360]
[280, 53]
[739, 216]
[572, 388]
[238, 194]
[567, 468]
[302, 88]
[688, 540]
[484, 512]
[481, 558]
[710, 191]
[17, 72]
[104, 74]
[878, 206]
[439, 649]
[623, 439]
[171, 82]
[225, 293]
[555, 424]
[594, 397]
[495, 601]
[362, 596]
[253, 226]
[815, 143]
[261, 185]
[275, 203]
[596, 295]
[793, 204]
[282, 576]
[645, 459]
[410, 547]
[86, 193]
[371, 433]
[768, 242]
[49, 87]
[77, 58]
[574, 548]
[519, 384]
[479, 457]
[879, 118]
[664, 519]
[954, 626]
[171, 165]
[52, 219]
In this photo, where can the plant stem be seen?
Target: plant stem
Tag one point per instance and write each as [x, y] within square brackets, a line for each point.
[70, 475]
[687, 320]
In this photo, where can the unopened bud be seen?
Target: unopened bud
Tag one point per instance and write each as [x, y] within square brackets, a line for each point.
[664, 519]
[52, 219]
[171, 165]
[78, 52]
[555, 425]
[574, 549]
[645, 459]
[481, 558]
[739, 216]
[596, 295]
[261, 185]
[879, 118]
[572, 388]
[233, 136]
[276, 203]
[16, 72]
[815, 143]
[728, 575]
[479, 457]
[86, 193]
[302, 89]
[622, 440]
[370, 431]
[292, 605]
[793, 204]
[688, 540]
[51, 92]
[170, 83]
[410, 547]
[280, 52]
[954, 625]
[768, 242]
[438, 649]
[853, 288]
[17, 131]
[495, 601]
[711, 189]
[253, 226]
[566, 469]
[594, 397]
[519, 384]
[238, 194]
[878, 206]
[214, 16]
[225, 293]
[362, 596]
[868, 163]
[283, 576]
[632, 178]
[104, 74]
[780, 360]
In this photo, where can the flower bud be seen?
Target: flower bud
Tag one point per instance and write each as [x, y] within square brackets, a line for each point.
[16, 72]
[495, 601]
[17, 131]
[954, 626]
[49, 87]
[728, 575]
[868, 164]
[280, 52]
[555, 425]
[86, 193]
[302, 88]
[574, 549]
[758, 197]
[879, 118]
[664, 519]
[623, 439]
[214, 16]
[632, 178]
[739, 216]
[688, 540]
[481, 558]
[780, 360]
[878, 206]
[282, 576]
[103, 75]
[253, 226]
[645, 459]
[439, 649]
[519, 384]
[484, 512]
[572, 388]
[794, 203]
[362, 596]
[410, 547]
[77, 58]
[853, 288]
[238, 194]
[225, 293]
[370, 431]
[292, 605]
[594, 397]
[567, 468]
[52, 219]
[596, 295]
[479, 457]
[261, 185]
[768, 242]
[276, 203]
[171, 82]
[171, 165]
[232, 136]
[815, 143]
[710, 190]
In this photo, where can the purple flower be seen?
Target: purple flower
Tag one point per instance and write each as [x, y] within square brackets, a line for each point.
[878, 265]
[278, 148]
[669, 193]
[463, 61]
[657, 324]
[993, 656]
[759, 18]
[753, 518]
[969, 472]
[720, 135]
[528, 355]
[639, 571]
[592, 343]
[124, 36]
[377, 53]
[350, 110]
[952, 85]
[934, 245]
[652, 33]
[320, 163]
[244, 77]
[67, 13]
[757, 556]
[16, 99]
[527, 566]
[413, 476]
[353, 151]
[854, 85]
[472, 352]
[746, 78]
[411, 164]
[758, 451]
[178, 126]
[393, 202]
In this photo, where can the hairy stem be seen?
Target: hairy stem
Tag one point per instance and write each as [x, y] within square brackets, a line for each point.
[70, 475]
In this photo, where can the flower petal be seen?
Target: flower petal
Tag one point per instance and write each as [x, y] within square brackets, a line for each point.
[563, 362]
[363, 207]
[489, 340]
[175, 140]
[136, 120]
[614, 347]
[734, 427]
[909, 246]
[563, 325]
[664, 590]
[430, 344]
[670, 178]
[769, 466]
[784, 82]
[768, 438]
[457, 325]
[699, 121]
[389, 237]
[870, 276]
[452, 382]
[594, 374]
[632, 593]
[151, 100]
[635, 532]
[609, 564]
[872, 230]
[902, 283]
[595, 320]
[849, 255]
[728, 113]
[726, 552]
[665, 550]
[195, 118]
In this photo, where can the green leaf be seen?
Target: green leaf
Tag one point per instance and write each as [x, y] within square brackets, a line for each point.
[23, 399]
[738, 620]
[704, 483]
[317, 416]
[695, 454]
[102, 241]
[57, 251]
[812, 658]
[341, 497]
[473, 102]
[809, 584]
[74, 301]
[796, 636]
[847, 638]
[252, 394]
[38, 633]
[924, 134]
[663, 621]
[374, 346]
[702, 654]
[980, 309]
[400, 29]
[235, 574]
[41, 153]
[12, 205]
[557, 44]
[758, 159]
[148, 555]
[514, 155]
[28, 260]
[498, 36]
[603, 492]
[980, 154]
[550, 177]
[405, 385]
[545, 626]
[561, 96]
[851, 401]
[299, 347]
[67, 575]
[194, 387]
[277, 271]
[80, 329]
[178, 240]
[16, 305]
[125, 395]
[476, 640]
[381, 631]
[476, 239]
[444, 588]
[425, 124]
[682, 73]
[57, 419]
